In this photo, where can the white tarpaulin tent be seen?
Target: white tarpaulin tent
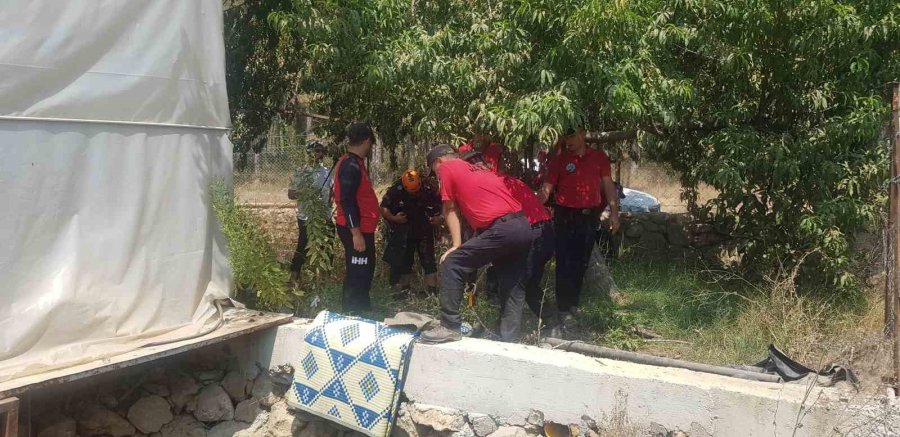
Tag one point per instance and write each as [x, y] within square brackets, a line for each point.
[113, 124]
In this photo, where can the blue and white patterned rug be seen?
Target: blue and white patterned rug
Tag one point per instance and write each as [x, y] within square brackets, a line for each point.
[351, 371]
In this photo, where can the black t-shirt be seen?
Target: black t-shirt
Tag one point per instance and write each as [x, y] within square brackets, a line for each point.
[419, 207]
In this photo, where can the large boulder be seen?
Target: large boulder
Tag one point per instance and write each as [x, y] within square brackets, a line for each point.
[213, 404]
[95, 420]
[227, 429]
[209, 376]
[264, 391]
[183, 426]
[677, 236]
[56, 425]
[236, 386]
[247, 410]
[182, 389]
[404, 426]
[150, 413]
[653, 242]
[437, 418]
[282, 422]
[482, 424]
[158, 389]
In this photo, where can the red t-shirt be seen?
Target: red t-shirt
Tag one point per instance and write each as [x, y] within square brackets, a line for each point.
[577, 178]
[492, 154]
[480, 195]
[531, 205]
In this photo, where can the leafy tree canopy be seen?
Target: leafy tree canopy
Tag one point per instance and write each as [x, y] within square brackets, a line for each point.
[777, 104]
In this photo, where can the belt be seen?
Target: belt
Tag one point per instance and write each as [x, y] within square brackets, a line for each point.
[501, 219]
[574, 212]
[540, 224]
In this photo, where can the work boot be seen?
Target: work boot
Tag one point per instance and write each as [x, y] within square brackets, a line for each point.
[568, 320]
[400, 292]
[554, 331]
[440, 334]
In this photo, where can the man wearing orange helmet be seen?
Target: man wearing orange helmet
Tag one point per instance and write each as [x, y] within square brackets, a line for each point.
[411, 207]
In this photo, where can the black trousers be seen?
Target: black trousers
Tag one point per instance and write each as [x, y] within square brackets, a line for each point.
[360, 268]
[505, 244]
[575, 238]
[543, 245]
[408, 247]
[300, 252]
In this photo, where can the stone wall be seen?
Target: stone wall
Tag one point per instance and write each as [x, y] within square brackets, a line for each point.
[214, 393]
[659, 235]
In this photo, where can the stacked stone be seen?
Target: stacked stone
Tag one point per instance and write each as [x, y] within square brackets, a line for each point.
[660, 235]
[418, 420]
[209, 396]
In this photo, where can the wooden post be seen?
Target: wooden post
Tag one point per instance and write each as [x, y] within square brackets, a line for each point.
[893, 276]
[9, 417]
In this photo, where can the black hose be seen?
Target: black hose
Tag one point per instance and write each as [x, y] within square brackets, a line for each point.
[603, 352]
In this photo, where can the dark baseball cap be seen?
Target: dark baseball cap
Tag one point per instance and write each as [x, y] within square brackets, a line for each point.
[471, 156]
[439, 151]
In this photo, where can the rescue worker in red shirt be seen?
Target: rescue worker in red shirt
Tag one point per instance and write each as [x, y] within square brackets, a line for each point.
[357, 217]
[411, 207]
[491, 152]
[580, 179]
[503, 237]
[542, 246]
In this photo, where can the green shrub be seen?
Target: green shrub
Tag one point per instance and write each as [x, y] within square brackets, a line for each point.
[253, 259]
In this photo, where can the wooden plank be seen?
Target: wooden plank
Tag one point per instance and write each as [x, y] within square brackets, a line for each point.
[9, 409]
[238, 323]
[9, 404]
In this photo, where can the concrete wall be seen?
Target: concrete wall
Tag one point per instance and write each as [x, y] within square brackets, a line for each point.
[505, 380]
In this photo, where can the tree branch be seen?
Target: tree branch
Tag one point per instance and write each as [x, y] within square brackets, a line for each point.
[611, 136]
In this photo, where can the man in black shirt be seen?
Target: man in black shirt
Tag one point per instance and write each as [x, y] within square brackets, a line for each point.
[411, 208]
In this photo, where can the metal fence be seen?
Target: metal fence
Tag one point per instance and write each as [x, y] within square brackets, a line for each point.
[263, 178]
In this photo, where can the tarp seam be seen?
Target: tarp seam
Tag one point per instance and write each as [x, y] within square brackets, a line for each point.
[114, 122]
[113, 73]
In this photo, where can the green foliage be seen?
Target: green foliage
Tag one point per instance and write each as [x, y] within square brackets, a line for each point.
[785, 121]
[253, 259]
[322, 244]
[777, 105]
[260, 70]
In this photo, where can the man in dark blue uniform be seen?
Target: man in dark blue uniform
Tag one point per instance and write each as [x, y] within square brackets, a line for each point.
[411, 207]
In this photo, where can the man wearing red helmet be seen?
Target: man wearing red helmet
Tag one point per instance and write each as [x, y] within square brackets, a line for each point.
[411, 207]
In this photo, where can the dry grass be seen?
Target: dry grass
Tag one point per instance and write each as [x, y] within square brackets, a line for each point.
[270, 190]
[661, 183]
[617, 423]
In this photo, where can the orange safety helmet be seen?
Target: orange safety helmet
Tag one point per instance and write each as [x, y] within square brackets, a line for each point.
[411, 180]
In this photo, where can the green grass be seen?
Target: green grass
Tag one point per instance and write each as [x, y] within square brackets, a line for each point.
[714, 318]
[697, 315]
